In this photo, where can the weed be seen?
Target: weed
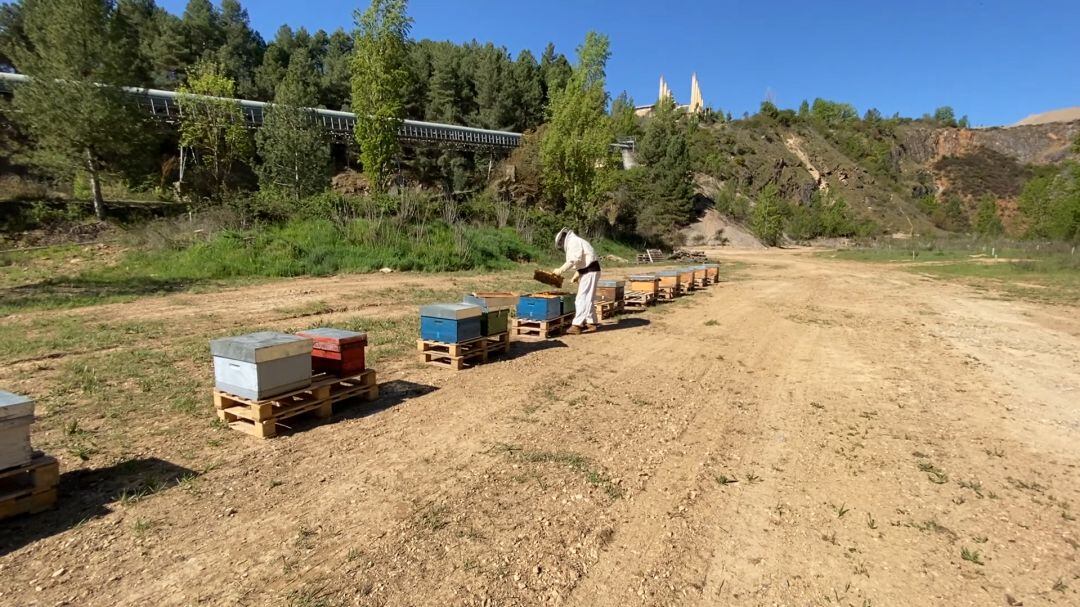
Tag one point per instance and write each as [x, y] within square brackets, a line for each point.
[1065, 515]
[841, 510]
[972, 556]
[434, 518]
[275, 483]
[975, 486]
[862, 570]
[1030, 486]
[817, 405]
[995, 452]
[725, 480]
[1060, 585]
[753, 478]
[354, 554]
[143, 526]
[935, 474]
[980, 539]
[712, 323]
[830, 537]
[304, 538]
[870, 522]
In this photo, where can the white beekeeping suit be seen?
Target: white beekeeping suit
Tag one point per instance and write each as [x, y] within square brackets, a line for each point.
[580, 257]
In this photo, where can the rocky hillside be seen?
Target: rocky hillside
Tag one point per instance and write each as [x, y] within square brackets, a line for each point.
[886, 171]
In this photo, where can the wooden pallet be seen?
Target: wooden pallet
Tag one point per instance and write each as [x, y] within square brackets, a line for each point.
[457, 356]
[668, 293]
[637, 301]
[29, 489]
[262, 418]
[537, 330]
[607, 309]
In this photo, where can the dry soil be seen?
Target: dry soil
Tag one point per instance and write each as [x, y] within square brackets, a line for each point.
[809, 432]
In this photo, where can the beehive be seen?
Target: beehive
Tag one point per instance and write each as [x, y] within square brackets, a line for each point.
[539, 306]
[261, 365]
[493, 300]
[450, 323]
[686, 276]
[644, 283]
[611, 290]
[16, 416]
[670, 278]
[337, 351]
[714, 272]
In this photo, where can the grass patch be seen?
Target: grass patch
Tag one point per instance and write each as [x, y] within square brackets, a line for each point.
[971, 556]
[576, 462]
[1029, 271]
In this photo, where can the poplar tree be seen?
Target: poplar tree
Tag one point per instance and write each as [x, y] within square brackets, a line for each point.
[576, 148]
[293, 146]
[213, 124]
[379, 78]
[72, 109]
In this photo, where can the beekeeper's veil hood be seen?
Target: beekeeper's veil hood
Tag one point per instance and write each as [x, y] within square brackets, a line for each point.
[560, 238]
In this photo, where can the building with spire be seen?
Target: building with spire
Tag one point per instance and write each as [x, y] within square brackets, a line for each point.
[696, 105]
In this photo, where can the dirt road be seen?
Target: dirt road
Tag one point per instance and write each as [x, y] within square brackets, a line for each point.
[811, 432]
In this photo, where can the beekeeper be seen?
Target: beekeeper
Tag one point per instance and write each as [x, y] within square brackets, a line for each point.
[581, 258]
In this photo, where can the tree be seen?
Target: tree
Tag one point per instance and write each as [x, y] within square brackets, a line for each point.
[379, 77]
[954, 217]
[666, 190]
[576, 148]
[213, 124]
[241, 48]
[76, 123]
[528, 110]
[987, 222]
[201, 29]
[292, 144]
[1050, 204]
[623, 120]
[555, 71]
[767, 218]
[945, 115]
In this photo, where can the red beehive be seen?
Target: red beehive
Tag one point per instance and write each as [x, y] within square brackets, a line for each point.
[337, 351]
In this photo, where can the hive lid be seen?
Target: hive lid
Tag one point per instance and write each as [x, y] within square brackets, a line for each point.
[261, 347]
[452, 311]
[491, 301]
[329, 338]
[15, 405]
[608, 282]
[643, 277]
[668, 273]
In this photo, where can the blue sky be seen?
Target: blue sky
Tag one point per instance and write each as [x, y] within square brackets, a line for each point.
[994, 60]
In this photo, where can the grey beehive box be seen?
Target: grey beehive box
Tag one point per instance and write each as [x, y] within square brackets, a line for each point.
[16, 415]
[454, 311]
[261, 365]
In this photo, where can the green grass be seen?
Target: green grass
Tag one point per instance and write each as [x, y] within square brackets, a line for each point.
[1049, 273]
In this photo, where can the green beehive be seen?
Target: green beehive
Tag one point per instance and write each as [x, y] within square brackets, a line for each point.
[494, 322]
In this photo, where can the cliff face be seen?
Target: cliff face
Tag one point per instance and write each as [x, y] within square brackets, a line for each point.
[1028, 144]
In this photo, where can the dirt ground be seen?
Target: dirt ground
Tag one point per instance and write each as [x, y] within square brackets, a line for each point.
[809, 432]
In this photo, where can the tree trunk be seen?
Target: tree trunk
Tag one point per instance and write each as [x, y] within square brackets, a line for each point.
[95, 185]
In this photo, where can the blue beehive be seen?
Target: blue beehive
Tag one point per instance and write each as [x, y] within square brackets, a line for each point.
[535, 307]
[450, 323]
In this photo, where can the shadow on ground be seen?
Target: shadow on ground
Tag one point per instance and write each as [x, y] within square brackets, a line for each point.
[84, 495]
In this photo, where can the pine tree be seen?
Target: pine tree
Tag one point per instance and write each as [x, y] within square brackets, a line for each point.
[240, 53]
[336, 72]
[576, 148]
[527, 109]
[555, 71]
[292, 144]
[201, 31]
[379, 77]
[76, 124]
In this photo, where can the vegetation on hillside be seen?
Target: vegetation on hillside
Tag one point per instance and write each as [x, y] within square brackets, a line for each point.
[820, 170]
